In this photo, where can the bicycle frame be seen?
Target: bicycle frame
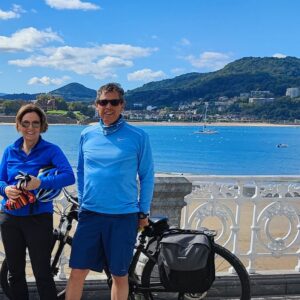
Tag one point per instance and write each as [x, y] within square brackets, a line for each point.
[63, 237]
[148, 241]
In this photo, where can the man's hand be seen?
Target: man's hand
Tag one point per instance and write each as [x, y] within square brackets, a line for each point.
[143, 223]
[12, 192]
[33, 184]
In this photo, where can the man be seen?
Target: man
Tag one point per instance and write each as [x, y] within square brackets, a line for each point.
[112, 207]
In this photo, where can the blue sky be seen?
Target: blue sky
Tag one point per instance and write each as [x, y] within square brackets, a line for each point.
[45, 44]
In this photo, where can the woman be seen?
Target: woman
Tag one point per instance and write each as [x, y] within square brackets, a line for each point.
[25, 222]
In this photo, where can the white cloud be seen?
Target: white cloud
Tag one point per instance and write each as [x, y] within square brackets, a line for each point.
[27, 39]
[113, 62]
[99, 61]
[125, 51]
[72, 4]
[279, 55]
[211, 61]
[12, 14]
[45, 80]
[145, 75]
[185, 42]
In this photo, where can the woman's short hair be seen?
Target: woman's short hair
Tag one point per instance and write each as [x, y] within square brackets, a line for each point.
[29, 108]
[111, 87]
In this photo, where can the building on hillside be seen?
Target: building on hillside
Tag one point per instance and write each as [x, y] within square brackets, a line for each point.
[261, 100]
[260, 94]
[51, 104]
[137, 105]
[293, 92]
[151, 107]
[222, 105]
[244, 96]
[223, 98]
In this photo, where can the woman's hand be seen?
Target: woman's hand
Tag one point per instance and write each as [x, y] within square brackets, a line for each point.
[33, 184]
[12, 192]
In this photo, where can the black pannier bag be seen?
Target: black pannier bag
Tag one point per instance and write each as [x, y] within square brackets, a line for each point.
[186, 262]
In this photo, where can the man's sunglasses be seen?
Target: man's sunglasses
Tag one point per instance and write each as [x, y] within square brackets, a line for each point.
[113, 102]
[34, 124]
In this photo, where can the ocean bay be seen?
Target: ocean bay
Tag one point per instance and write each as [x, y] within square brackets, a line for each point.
[234, 150]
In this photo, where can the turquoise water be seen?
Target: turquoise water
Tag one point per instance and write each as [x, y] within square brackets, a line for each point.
[233, 151]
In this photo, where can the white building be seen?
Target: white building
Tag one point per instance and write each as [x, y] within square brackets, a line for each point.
[260, 94]
[293, 92]
[261, 100]
[150, 107]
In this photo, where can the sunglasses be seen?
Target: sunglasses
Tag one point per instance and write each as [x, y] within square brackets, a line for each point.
[34, 124]
[113, 102]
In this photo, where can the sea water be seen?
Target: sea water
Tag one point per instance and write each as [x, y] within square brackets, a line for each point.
[232, 151]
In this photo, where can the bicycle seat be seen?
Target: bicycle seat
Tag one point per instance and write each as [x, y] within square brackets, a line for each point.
[157, 219]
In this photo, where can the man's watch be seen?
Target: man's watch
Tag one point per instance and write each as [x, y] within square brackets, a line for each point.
[142, 215]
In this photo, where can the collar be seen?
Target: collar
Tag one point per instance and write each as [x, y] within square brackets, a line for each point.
[19, 142]
[109, 129]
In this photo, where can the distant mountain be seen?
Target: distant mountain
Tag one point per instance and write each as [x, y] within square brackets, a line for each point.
[2, 94]
[243, 75]
[22, 96]
[70, 92]
[75, 92]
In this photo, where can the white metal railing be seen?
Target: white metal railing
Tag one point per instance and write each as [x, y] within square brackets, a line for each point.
[257, 217]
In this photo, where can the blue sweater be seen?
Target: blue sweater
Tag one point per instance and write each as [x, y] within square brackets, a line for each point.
[41, 155]
[108, 165]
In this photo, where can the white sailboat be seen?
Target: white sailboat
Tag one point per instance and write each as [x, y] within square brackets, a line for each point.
[204, 129]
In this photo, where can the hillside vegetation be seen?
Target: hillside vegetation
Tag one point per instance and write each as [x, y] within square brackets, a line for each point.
[243, 75]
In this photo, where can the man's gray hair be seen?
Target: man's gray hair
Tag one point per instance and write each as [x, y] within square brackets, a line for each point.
[111, 87]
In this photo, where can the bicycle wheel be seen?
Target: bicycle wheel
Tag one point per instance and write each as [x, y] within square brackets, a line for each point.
[58, 246]
[4, 279]
[225, 286]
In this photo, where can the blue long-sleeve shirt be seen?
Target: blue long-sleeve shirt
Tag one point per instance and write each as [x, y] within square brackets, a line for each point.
[41, 155]
[108, 167]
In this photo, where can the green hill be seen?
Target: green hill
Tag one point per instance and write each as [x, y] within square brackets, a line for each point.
[241, 76]
[75, 92]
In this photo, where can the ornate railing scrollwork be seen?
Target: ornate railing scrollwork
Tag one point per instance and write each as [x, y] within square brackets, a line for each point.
[261, 211]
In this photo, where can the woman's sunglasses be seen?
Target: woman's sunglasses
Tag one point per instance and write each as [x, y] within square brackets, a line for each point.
[113, 102]
[34, 124]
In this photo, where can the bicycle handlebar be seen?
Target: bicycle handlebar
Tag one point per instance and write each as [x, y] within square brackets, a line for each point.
[72, 199]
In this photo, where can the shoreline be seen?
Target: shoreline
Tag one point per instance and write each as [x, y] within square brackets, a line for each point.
[217, 124]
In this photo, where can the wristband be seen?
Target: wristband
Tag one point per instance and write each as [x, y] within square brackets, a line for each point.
[142, 215]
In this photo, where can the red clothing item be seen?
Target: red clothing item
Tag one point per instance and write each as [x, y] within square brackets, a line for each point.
[24, 198]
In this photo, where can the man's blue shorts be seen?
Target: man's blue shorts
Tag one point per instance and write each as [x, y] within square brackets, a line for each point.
[104, 239]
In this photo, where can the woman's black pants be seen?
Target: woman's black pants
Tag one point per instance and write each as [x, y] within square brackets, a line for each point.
[34, 232]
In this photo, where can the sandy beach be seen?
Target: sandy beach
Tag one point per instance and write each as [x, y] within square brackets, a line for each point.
[217, 124]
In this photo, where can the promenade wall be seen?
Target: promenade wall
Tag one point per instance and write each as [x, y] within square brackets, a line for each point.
[256, 217]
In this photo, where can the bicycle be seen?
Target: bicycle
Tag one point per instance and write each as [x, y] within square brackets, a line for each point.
[148, 282]
[144, 279]
[61, 238]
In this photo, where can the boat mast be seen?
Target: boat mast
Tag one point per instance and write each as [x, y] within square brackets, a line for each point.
[205, 116]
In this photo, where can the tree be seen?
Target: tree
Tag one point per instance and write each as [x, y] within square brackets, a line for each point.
[61, 104]
[11, 107]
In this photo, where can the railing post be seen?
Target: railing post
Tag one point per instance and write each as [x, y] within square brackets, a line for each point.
[168, 198]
